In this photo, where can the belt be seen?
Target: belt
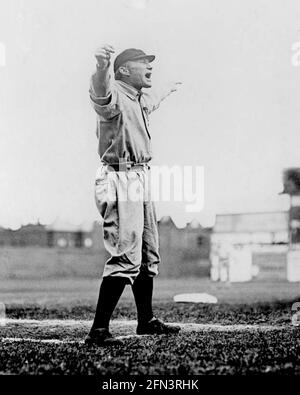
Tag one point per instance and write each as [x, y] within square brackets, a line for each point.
[127, 166]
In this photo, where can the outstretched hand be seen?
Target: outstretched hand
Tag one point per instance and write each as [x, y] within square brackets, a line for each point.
[175, 86]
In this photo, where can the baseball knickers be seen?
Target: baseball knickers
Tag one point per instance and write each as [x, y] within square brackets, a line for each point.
[130, 231]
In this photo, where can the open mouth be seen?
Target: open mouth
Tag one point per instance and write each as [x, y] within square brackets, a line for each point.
[148, 75]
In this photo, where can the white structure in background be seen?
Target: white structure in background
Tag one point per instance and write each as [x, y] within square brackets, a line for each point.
[293, 265]
[2, 314]
[236, 237]
[293, 256]
[231, 263]
[240, 264]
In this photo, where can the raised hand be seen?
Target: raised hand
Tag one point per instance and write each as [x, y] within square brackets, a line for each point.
[103, 55]
[175, 86]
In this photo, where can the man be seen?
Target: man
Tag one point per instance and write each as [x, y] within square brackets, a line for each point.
[122, 188]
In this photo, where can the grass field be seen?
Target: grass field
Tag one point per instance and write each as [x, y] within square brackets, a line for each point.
[249, 330]
[204, 352]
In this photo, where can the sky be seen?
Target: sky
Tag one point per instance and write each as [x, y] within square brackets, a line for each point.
[236, 113]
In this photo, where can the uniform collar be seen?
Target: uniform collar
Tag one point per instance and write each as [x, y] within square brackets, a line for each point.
[129, 90]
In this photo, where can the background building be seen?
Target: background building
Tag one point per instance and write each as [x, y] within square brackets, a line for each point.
[28, 235]
[79, 250]
[184, 251]
[253, 245]
[262, 245]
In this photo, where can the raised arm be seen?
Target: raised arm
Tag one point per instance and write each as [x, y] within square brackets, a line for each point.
[100, 83]
[173, 87]
[157, 97]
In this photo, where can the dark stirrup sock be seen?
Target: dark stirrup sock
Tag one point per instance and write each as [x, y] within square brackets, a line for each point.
[110, 292]
[143, 290]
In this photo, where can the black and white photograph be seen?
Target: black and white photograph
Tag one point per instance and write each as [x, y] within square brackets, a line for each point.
[149, 191]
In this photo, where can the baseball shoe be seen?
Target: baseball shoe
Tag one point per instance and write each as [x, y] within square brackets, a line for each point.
[156, 327]
[101, 337]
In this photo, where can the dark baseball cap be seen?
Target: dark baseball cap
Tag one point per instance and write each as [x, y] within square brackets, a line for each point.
[131, 54]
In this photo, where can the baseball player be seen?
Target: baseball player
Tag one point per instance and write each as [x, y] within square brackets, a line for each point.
[122, 192]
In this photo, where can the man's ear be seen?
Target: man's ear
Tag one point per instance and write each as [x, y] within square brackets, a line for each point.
[124, 70]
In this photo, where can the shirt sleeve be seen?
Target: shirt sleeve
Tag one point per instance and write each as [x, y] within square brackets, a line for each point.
[107, 107]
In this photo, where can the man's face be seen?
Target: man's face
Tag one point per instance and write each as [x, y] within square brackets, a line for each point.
[140, 73]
